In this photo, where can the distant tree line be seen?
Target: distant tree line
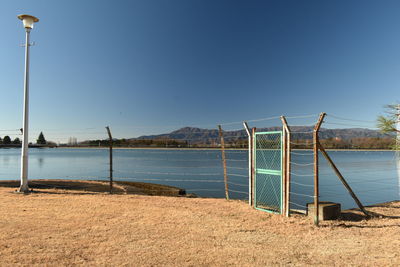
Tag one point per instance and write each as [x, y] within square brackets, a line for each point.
[353, 143]
[6, 140]
[165, 143]
[136, 143]
[330, 143]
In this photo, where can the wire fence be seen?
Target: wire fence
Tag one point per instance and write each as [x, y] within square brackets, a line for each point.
[372, 175]
[197, 171]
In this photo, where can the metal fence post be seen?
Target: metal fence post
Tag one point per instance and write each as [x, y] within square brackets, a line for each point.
[111, 159]
[316, 168]
[284, 172]
[288, 165]
[344, 182]
[253, 168]
[250, 145]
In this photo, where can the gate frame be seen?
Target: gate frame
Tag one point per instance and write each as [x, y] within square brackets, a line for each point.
[286, 169]
[282, 171]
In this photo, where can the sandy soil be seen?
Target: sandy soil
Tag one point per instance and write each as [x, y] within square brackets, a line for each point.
[68, 227]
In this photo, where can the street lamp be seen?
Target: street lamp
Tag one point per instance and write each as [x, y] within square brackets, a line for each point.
[28, 22]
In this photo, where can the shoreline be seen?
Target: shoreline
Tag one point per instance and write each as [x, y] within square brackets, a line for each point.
[205, 148]
[99, 186]
[126, 188]
[243, 149]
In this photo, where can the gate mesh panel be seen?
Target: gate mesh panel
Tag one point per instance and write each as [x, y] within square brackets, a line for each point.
[268, 151]
[268, 164]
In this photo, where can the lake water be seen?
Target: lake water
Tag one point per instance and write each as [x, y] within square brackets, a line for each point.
[372, 174]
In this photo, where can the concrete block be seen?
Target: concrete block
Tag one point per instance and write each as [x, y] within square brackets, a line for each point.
[327, 210]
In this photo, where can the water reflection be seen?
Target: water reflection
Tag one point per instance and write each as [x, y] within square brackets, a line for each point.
[40, 162]
[6, 161]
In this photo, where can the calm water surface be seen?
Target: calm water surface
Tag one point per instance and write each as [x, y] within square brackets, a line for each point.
[372, 174]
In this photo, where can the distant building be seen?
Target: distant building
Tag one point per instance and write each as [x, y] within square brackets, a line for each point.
[72, 141]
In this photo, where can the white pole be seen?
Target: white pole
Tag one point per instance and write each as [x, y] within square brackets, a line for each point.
[250, 146]
[24, 155]
[398, 145]
[398, 128]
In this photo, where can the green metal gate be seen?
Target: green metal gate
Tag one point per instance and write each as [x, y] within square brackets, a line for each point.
[268, 189]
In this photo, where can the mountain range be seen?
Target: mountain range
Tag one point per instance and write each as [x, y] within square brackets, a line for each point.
[198, 135]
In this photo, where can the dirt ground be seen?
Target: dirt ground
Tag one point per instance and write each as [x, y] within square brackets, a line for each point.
[70, 227]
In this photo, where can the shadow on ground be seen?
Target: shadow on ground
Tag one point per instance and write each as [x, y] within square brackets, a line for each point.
[378, 212]
[72, 186]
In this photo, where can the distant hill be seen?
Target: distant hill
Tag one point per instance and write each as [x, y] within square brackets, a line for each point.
[198, 135]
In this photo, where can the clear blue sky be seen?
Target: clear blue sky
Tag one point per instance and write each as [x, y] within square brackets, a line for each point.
[152, 66]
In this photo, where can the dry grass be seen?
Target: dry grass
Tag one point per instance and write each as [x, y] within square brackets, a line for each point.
[59, 227]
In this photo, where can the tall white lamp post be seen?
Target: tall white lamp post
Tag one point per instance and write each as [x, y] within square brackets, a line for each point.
[28, 22]
[398, 144]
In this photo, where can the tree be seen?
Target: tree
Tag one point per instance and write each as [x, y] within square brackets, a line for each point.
[41, 140]
[7, 140]
[17, 141]
[387, 123]
[391, 122]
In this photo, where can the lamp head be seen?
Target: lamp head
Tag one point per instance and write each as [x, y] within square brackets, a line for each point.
[28, 20]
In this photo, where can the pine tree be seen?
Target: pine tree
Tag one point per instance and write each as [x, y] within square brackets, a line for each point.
[41, 140]
[7, 140]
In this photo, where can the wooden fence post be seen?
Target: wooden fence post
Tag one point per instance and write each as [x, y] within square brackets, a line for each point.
[111, 159]
[316, 168]
[287, 165]
[221, 135]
